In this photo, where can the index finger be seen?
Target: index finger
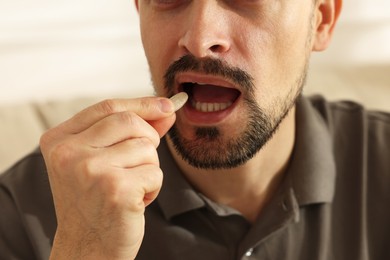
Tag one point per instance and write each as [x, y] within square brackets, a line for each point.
[148, 108]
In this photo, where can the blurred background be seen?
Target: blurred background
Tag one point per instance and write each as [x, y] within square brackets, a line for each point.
[70, 48]
[56, 57]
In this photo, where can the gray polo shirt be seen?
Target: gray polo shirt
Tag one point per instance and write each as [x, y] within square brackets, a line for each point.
[333, 203]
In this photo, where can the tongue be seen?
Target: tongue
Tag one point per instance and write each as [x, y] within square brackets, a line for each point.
[211, 93]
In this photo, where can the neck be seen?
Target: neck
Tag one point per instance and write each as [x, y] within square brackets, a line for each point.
[249, 187]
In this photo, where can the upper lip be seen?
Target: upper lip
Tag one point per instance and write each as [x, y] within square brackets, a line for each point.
[191, 77]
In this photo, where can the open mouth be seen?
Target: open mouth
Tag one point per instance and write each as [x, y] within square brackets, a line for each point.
[209, 98]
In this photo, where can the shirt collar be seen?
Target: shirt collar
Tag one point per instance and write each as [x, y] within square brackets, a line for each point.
[176, 195]
[312, 168]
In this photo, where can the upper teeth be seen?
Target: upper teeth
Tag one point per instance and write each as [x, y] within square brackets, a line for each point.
[199, 83]
[210, 107]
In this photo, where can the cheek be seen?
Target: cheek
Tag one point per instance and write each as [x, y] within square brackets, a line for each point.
[155, 61]
[158, 45]
[278, 56]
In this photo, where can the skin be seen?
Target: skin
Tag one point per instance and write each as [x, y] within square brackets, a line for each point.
[100, 182]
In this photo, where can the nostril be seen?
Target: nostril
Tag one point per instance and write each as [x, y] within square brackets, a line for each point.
[201, 44]
[215, 48]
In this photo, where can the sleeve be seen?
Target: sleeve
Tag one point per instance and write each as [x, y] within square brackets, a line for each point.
[14, 242]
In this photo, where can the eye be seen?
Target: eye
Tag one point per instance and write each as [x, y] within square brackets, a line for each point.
[167, 4]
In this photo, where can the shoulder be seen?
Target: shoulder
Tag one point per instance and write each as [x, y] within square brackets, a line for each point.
[360, 136]
[27, 172]
[351, 120]
[361, 146]
[26, 199]
[27, 183]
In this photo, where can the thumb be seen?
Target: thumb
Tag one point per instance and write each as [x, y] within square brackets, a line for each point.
[163, 125]
[148, 108]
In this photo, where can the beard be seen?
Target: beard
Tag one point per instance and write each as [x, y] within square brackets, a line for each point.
[212, 148]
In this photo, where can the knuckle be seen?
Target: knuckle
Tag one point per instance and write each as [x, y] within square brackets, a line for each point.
[109, 183]
[49, 138]
[152, 155]
[45, 140]
[108, 106]
[129, 118]
[150, 141]
[145, 143]
[157, 175]
[145, 104]
[88, 167]
[150, 181]
[148, 149]
[121, 193]
[152, 174]
[61, 156]
[136, 206]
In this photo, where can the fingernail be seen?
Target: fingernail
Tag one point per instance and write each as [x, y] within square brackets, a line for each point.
[179, 100]
[166, 106]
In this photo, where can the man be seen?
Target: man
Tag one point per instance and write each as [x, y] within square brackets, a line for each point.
[250, 169]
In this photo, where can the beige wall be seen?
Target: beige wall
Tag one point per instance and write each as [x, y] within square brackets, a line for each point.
[69, 48]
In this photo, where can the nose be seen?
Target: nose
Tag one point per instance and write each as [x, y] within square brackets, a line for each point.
[206, 32]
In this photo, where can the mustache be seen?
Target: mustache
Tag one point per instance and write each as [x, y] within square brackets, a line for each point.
[211, 66]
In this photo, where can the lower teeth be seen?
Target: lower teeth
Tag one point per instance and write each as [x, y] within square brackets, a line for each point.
[210, 107]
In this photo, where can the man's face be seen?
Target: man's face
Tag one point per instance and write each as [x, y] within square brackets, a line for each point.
[243, 63]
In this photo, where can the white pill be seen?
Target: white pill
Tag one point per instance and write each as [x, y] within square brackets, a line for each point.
[179, 100]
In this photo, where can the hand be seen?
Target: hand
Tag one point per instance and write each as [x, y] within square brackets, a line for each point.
[104, 170]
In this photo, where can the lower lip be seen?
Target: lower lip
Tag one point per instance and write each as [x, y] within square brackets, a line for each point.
[207, 118]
